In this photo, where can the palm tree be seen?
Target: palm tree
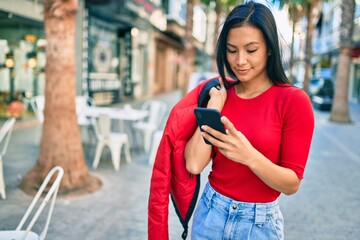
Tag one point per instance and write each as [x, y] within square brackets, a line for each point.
[309, 8]
[295, 11]
[61, 141]
[297, 8]
[340, 110]
[189, 52]
[222, 7]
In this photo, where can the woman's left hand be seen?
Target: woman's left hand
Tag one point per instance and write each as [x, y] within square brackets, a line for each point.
[233, 145]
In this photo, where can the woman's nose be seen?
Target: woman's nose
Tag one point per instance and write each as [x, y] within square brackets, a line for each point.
[241, 59]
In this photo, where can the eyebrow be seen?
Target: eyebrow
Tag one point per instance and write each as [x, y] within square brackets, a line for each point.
[246, 45]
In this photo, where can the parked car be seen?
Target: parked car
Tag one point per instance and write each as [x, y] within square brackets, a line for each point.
[321, 92]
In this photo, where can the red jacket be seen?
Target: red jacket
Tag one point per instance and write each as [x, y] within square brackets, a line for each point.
[169, 174]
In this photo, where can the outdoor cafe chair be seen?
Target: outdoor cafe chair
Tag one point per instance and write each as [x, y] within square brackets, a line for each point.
[51, 194]
[114, 140]
[38, 105]
[149, 125]
[5, 134]
[82, 102]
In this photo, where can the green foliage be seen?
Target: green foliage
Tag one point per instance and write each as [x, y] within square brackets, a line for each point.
[206, 2]
[225, 4]
[293, 3]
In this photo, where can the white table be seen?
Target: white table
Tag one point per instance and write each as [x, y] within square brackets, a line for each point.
[120, 114]
[129, 114]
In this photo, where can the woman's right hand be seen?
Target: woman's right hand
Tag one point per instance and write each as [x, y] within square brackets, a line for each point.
[197, 153]
[218, 97]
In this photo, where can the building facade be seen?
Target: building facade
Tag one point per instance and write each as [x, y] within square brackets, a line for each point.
[326, 46]
[125, 49]
[22, 54]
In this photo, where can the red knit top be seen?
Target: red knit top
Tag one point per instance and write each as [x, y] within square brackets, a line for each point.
[279, 123]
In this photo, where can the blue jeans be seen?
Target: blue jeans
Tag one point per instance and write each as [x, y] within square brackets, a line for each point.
[219, 217]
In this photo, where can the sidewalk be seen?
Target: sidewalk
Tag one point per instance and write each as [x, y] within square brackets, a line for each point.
[326, 206]
[117, 211]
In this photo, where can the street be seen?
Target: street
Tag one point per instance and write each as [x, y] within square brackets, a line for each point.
[327, 206]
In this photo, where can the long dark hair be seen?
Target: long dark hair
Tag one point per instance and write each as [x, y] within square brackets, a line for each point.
[259, 16]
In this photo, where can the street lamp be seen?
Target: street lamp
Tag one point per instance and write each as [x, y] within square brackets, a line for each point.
[33, 63]
[10, 63]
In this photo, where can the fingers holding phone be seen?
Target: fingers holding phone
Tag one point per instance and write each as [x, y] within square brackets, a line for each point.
[212, 118]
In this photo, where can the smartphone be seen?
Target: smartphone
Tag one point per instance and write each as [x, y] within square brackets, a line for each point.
[210, 117]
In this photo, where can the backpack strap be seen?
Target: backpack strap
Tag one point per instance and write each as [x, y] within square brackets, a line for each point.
[204, 96]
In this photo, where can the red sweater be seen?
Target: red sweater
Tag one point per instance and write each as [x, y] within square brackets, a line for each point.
[279, 123]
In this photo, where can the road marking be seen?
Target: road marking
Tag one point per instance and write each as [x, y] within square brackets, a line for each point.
[339, 144]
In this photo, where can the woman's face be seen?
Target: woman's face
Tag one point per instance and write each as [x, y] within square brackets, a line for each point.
[247, 53]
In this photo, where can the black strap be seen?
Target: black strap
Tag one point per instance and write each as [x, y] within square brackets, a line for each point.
[185, 222]
[202, 102]
[185, 233]
[204, 93]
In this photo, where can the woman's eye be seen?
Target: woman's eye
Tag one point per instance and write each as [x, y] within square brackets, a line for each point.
[252, 51]
[231, 51]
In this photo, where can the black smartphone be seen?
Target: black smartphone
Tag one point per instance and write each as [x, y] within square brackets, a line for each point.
[210, 117]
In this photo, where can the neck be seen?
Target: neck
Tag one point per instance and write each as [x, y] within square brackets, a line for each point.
[249, 90]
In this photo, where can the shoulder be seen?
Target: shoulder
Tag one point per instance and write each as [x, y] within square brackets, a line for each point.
[288, 88]
[291, 94]
[294, 103]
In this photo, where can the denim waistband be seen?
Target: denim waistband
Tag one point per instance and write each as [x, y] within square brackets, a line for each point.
[258, 212]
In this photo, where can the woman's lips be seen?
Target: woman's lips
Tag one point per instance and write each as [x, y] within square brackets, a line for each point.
[243, 71]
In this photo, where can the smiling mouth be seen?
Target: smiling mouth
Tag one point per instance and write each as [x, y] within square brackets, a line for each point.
[243, 70]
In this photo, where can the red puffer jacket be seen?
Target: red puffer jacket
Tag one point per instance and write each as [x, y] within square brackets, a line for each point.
[169, 174]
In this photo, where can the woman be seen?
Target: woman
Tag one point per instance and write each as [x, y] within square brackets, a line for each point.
[269, 130]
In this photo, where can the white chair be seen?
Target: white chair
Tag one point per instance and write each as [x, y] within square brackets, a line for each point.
[114, 140]
[82, 102]
[38, 105]
[27, 234]
[5, 134]
[149, 125]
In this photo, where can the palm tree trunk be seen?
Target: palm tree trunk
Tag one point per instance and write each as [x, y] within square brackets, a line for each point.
[340, 109]
[61, 141]
[189, 52]
[216, 34]
[308, 44]
[291, 64]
